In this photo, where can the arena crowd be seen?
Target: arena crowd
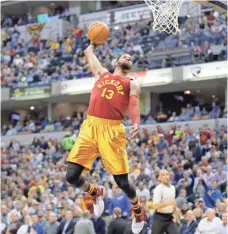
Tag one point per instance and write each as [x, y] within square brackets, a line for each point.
[40, 62]
[36, 198]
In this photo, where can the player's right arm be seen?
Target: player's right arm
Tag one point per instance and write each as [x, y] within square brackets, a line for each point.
[94, 64]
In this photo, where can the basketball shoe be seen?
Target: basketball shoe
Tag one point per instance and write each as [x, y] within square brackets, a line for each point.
[98, 205]
[138, 221]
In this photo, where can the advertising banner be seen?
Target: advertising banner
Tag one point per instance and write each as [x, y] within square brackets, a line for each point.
[205, 71]
[86, 19]
[148, 78]
[134, 14]
[77, 86]
[158, 77]
[50, 30]
[29, 93]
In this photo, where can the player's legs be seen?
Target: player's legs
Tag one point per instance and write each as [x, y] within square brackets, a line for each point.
[112, 146]
[73, 175]
[82, 156]
[123, 183]
[75, 178]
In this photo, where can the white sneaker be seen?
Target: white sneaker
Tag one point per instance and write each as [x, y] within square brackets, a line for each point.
[98, 205]
[137, 227]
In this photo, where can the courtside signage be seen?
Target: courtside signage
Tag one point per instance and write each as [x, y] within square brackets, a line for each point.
[29, 93]
[205, 71]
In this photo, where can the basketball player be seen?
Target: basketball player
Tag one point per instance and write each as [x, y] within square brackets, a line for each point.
[164, 204]
[102, 133]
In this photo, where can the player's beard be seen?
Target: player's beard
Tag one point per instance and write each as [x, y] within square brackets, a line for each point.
[125, 66]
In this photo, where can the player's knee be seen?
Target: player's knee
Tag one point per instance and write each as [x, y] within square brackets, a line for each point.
[73, 176]
[122, 181]
[123, 184]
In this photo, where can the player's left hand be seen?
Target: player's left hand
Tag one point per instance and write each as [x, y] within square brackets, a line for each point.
[134, 131]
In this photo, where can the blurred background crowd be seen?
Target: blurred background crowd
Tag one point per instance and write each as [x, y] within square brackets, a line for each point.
[35, 192]
[40, 62]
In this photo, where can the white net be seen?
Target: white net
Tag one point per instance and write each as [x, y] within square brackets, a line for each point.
[165, 14]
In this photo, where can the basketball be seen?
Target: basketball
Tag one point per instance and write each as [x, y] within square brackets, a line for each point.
[98, 33]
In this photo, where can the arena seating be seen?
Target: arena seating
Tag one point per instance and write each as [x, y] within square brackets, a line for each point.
[41, 62]
[33, 177]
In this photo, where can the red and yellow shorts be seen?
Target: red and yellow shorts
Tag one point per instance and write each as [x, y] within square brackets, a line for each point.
[103, 137]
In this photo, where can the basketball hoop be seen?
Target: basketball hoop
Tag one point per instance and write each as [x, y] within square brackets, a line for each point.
[165, 14]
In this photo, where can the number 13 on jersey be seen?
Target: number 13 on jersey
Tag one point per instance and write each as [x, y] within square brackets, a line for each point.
[107, 93]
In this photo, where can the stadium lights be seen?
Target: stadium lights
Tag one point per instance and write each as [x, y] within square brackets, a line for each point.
[187, 92]
[32, 107]
[213, 96]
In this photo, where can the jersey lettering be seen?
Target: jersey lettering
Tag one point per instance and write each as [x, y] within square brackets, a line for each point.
[115, 83]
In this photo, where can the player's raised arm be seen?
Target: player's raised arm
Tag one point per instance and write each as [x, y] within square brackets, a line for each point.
[94, 64]
[134, 108]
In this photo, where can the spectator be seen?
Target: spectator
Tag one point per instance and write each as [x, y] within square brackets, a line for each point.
[190, 225]
[162, 144]
[13, 227]
[52, 225]
[215, 163]
[181, 199]
[120, 200]
[220, 176]
[210, 224]
[224, 224]
[99, 225]
[208, 176]
[49, 127]
[36, 225]
[118, 224]
[77, 213]
[24, 229]
[198, 213]
[67, 225]
[220, 209]
[142, 191]
[184, 116]
[4, 214]
[84, 225]
[189, 110]
[173, 118]
[212, 194]
[215, 112]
